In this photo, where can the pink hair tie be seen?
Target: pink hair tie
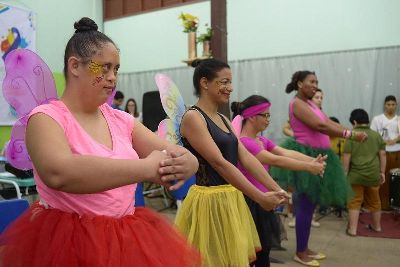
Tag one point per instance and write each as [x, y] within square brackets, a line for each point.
[254, 110]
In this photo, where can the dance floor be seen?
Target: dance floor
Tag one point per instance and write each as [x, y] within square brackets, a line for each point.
[390, 226]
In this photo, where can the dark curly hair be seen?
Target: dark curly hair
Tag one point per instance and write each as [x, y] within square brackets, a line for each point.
[208, 69]
[298, 76]
[84, 42]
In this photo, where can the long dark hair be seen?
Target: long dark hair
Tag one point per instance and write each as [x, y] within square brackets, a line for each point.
[136, 113]
[208, 69]
[238, 107]
[298, 76]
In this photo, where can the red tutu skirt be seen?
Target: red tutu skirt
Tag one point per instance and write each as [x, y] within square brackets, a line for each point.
[50, 237]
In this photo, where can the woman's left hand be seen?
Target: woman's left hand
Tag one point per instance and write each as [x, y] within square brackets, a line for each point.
[179, 167]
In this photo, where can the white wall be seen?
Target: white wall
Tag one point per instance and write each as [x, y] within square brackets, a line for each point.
[259, 29]
[154, 40]
[54, 24]
[269, 28]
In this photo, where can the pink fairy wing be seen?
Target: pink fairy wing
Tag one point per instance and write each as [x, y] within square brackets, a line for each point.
[16, 152]
[162, 129]
[171, 98]
[28, 82]
[167, 130]
[237, 124]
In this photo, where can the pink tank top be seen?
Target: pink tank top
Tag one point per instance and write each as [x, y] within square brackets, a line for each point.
[306, 135]
[115, 202]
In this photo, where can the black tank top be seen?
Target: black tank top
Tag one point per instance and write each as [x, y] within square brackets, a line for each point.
[227, 144]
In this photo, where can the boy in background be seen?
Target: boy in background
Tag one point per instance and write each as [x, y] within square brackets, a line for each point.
[365, 165]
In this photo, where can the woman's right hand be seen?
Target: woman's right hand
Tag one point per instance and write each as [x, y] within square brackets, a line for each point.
[271, 200]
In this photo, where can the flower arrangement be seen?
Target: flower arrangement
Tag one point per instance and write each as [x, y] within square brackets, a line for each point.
[205, 36]
[189, 22]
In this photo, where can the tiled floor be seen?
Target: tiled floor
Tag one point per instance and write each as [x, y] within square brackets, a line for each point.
[329, 238]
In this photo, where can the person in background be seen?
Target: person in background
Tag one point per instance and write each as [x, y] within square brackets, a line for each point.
[364, 164]
[337, 143]
[87, 159]
[318, 97]
[118, 100]
[388, 126]
[132, 108]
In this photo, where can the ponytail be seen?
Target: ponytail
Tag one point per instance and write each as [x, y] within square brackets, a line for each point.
[298, 76]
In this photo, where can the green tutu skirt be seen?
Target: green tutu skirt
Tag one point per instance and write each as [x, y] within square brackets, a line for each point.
[333, 189]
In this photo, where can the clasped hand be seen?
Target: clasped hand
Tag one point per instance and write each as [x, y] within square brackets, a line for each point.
[271, 200]
[318, 165]
[175, 165]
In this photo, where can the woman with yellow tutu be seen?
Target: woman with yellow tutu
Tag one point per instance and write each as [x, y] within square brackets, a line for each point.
[214, 215]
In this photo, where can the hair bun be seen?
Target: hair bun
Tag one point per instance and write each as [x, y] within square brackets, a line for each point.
[85, 24]
[196, 62]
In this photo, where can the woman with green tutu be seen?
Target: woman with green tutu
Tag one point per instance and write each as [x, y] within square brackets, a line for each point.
[312, 129]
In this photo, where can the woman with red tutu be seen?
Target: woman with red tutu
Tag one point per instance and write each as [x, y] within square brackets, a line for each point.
[87, 160]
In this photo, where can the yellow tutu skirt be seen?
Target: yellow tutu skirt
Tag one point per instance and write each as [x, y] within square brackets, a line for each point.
[218, 222]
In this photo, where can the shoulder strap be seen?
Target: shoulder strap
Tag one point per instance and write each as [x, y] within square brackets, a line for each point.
[225, 122]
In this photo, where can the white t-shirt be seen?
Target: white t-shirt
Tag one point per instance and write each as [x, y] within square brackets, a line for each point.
[388, 129]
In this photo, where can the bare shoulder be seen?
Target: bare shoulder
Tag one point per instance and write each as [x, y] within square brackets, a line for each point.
[191, 116]
[192, 122]
[298, 102]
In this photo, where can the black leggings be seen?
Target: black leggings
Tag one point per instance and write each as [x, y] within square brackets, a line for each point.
[262, 259]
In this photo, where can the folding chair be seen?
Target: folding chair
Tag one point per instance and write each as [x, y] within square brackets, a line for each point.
[9, 178]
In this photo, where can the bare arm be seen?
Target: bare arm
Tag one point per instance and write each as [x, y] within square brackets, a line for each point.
[280, 151]
[182, 164]
[253, 165]
[346, 162]
[62, 170]
[382, 161]
[328, 127]
[287, 130]
[304, 113]
[142, 136]
[269, 158]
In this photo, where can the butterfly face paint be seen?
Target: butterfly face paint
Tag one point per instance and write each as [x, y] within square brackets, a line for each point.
[96, 69]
